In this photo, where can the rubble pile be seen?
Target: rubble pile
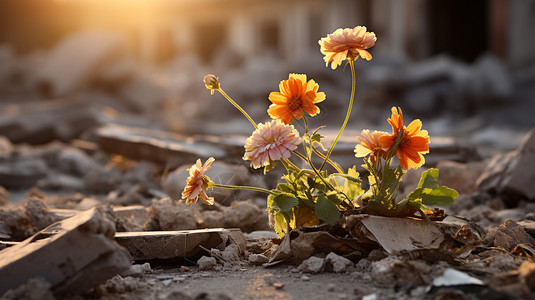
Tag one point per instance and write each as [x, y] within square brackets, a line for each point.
[93, 163]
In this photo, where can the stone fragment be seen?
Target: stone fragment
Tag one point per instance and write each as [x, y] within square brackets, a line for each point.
[42, 122]
[22, 172]
[149, 245]
[257, 259]
[137, 270]
[231, 253]
[392, 272]
[312, 265]
[508, 235]
[81, 255]
[207, 263]
[166, 214]
[76, 61]
[337, 263]
[460, 176]
[22, 222]
[161, 147]
[510, 175]
[35, 289]
[246, 216]
[130, 218]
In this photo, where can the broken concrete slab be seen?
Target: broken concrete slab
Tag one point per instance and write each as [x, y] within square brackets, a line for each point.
[148, 245]
[81, 255]
[40, 122]
[161, 147]
[406, 235]
[511, 175]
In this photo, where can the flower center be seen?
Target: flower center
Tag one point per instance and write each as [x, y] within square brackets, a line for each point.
[295, 103]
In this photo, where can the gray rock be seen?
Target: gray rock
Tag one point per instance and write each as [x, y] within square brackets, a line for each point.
[22, 172]
[80, 256]
[207, 263]
[312, 265]
[337, 263]
[257, 259]
[511, 175]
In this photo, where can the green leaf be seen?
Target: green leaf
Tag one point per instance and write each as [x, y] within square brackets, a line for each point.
[432, 194]
[285, 202]
[439, 196]
[429, 179]
[285, 188]
[326, 210]
[280, 224]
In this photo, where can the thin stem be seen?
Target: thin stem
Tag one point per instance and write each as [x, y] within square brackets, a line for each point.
[239, 187]
[238, 107]
[352, 65]
[335, 165]
[306, 123]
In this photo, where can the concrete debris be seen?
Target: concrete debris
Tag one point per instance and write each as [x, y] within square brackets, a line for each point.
[161, 147]
[312, 265]
[392, 272]
[35, 289]
[337, 264]
[246, 216]
[42, 122]
[149, 245]
[402, 235]
[166, 214]
[80, 256]
[257, 259]
[509, 175]
[508, 236]
[137, 270]
[207, 263]
[22, 222]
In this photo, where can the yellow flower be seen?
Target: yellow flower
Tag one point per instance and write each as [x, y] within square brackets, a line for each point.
[346, 43]
[296, 95]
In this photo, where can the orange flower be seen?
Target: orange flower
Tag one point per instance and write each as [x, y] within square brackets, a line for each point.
[197, 183]
[369, 144]
[296, 95]
[413, 144]
[346, 43]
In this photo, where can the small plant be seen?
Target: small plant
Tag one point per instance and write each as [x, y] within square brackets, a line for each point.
[310, 196]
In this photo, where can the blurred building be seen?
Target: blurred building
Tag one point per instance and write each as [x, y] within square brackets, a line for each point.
[158, 30]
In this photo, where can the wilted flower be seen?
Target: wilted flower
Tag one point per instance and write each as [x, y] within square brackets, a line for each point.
[413, 143]
[197, 183]
[347, 43]
[211, 82]
[271, 141]
[296, 95]
[369, 145]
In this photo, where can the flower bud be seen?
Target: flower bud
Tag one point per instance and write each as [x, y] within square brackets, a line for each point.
[211, 82]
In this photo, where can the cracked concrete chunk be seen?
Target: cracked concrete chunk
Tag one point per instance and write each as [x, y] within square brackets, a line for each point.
[149, 245]
[80, 256]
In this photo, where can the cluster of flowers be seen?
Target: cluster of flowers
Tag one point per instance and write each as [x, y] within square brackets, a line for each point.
[305, 200]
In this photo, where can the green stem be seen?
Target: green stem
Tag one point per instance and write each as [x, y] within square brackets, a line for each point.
[240, 187]
[238, 107]
[352, 66]
[335, 165]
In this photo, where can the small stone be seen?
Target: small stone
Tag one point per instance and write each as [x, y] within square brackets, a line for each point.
[305, 278]
[337, 263]
[312, 265]
[207, 263]
[278, 285]
[331, 287]
[184, 269]
[258, 259]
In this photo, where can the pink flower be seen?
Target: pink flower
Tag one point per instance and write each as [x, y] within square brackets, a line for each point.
[271, 141]
[347, 43]
[197, 183]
